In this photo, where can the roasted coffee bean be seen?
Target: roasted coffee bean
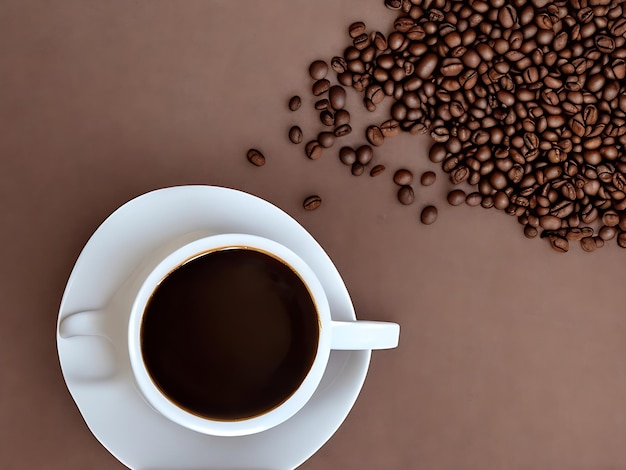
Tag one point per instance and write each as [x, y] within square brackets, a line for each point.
[621, 240]
[357, 169]
[337, 97]
[318, 70]
[429, 215]
[327, 118]
[320, 86]
[322, 104]
[326, 139]
[428, 178]
[341, 117]
[313, 150]
[357, 28]
[312, 202]
[294, 103]
[377, 170]
[406, 195]
[559, 244]
[295, 135]
[390, 128]
[588, 244]
[338, 64]
[255, 157]
[343, 130]
[347, 155]
[403, 177]
[473, 199]
[456, 197]
[393, 4]
[364, 154]
[375, 136]
[437, 153]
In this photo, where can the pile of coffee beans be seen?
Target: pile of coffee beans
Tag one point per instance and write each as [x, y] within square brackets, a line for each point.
[525, 101]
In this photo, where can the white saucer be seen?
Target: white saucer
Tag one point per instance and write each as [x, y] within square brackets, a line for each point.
[98, 374]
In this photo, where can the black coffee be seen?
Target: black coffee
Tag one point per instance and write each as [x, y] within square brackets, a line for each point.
[230, 334]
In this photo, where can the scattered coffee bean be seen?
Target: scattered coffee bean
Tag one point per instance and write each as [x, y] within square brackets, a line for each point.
[559, 244]
[403, 177]
[364, 154]
[621, 239]
[313, 150]
[322, 104]
[377, 170]
[337, 97]
[357, 169]
[294, 103]
[356, 29]
[295, 135]
[456, 197]
[312, 202]
[341, 117]
[318, 70]
[375, 136]
[428, 178]
[256, 157]
[347, 155]
[406, 195]
[320, 86]
[429, 215]
[326, 139]
[343, 130]
[473, 199]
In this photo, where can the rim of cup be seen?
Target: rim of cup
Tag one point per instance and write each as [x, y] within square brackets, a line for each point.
[270, 418]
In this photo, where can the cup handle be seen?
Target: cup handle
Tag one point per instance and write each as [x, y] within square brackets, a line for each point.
[358, 335]
[88, 323]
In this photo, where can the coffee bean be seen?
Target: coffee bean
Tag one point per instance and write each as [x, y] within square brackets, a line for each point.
[320, 86]
[356, 29]
[621, 240]
[337, 97]
[313, 150]
[456, 197]
[339, 65]
[341, 117]
[295, 135]
[393, 4]
[326, 139]
[343, 130]
[357, 169]
[406, 195]
[375, 136]
[327, 118]
[312, 202]
[364, 154]
[255, 157]
[429, 215]
[377, 170]
[294, 103]
[473, 199]
[390, 128]
[588, 244]
[318, 69]
[559, 244]
[347, 155]
[428, 178]
[403, 177]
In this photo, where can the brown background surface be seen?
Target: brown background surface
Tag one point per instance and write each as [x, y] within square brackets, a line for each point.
[511, 356]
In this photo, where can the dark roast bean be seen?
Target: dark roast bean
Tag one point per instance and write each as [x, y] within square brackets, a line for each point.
[312, 202]
[588, 244]
[337, 97]
[428, 178]
[322, 104]
[406, 195]
[320, 86]
[403, 177]
[559, 244]
[374, 136]
[473, 199]
[343, 130]
[255, 157]
[294, 103]
[377, 170]
[347, 155]
[429, 215]
[326, 139]
[357, 169]
[339, 65]
[364, 154]
[313, 150]
[295, 135]
[318, 70]
[390, 128]
[341, 117]
[621, 240]
[356, 29]
[456, 197]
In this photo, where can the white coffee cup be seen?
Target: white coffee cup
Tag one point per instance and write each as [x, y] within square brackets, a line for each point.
[351, 335]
